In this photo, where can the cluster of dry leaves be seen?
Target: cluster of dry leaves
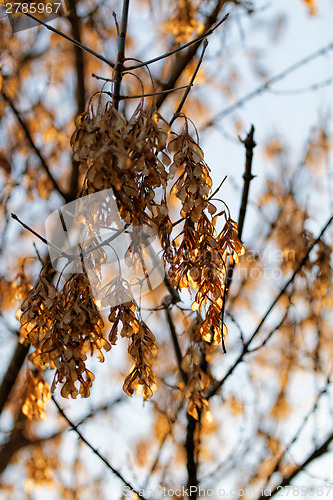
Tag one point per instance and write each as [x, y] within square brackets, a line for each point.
[63, 326]
[134, 158]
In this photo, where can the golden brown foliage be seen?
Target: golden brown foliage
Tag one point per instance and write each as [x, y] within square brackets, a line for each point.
[63, 327]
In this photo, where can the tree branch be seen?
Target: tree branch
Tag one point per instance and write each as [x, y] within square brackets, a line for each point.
[184, 58]
[246, 345]
[192, 464]
[317, 453]
[248, 176]
[176, 346]
[119, 68]
[182, 47]
[33, 145]
[12, 373]
[188, 88]
[16, 441]
[80, 87]
[300, 429]
[95, 451]
[63, 35]
[259, 90]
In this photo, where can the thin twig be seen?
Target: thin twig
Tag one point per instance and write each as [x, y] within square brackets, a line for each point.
[248, 176]
[217, 189]
[62, 253]
[70, 39]
[119, 67]
[44, 240]
[246, 345]
[310, 88]
[233, 319]
[102, 408]
[291, 279]
[317, 453]
[187, 91]
[259, 90]
[114, 15]
[300, 428]
[95, 451]
[32, 143]
[152, 94]
[182, 47]
[102, 78]
[249, 146]
[271, 333]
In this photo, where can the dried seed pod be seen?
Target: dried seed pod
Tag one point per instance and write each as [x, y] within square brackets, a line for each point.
[194, 182]
[123, 156]
[143, 350]
[197, 384]
[63, 327]
[37, 395]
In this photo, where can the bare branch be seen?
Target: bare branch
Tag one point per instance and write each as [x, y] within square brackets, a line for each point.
[271, 333]
[291, 279]
[301, 427]
[248, 176]
[176, 346]
[217, 189]
[185, 57]
[262, 88]
[152, 94]
[190, 447]
[310, 88]
[317, 453]
[119, 67]
[187, 91]
[80, 87]
[44, 240]
[96, 452]
[70, 39]
[245, 349]
[33, 145]
[12, 373]
[182, 47]
[16, 441]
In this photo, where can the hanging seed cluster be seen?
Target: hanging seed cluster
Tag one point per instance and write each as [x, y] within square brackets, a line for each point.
[63, 327]
[133, 159]
[123, 155]
[200, 255]
[142, 348]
